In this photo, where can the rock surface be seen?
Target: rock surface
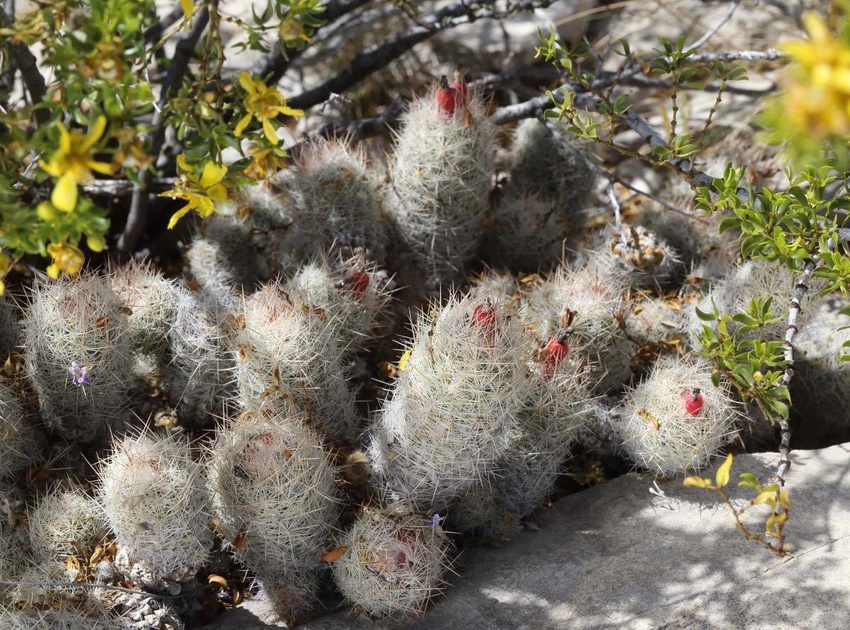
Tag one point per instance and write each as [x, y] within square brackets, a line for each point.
[620, 556]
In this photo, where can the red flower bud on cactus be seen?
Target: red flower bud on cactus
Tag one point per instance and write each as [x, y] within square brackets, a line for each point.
[359, 282]
[484, 316]
[459, 86]
[556, 351]
[693, 402]
[450, 97]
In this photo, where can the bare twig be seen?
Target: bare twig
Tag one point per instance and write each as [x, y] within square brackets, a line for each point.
[379, 56]
[641, 81]
[733, 6]
[138, 213]
[25, 61]
[274, 65]
[123, 187]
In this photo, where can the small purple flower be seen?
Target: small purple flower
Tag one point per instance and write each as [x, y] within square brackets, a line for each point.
[436, 519]
[79, 375]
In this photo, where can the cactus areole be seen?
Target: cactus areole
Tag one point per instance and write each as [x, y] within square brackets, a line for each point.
[693, 402]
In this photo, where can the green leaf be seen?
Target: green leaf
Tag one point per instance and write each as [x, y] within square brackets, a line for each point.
[748, 480]
[706, 317]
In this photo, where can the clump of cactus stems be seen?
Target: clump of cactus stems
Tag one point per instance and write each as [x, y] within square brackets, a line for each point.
[639, 256]
[454, 405]
[676, 419]
[820, 388]
[350, 295]
[588, 304]
[153, 495]
[393, 563]
[21, 443]
[65, 523]
[199, 375]
[332, 201]
[288, 354]
[556, 410]
[541, 209]
[224, 257]
[150, 302]
[78, 355]
[275, 501]
[440, 184]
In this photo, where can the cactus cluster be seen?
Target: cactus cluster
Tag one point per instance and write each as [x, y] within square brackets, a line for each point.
[226, 406]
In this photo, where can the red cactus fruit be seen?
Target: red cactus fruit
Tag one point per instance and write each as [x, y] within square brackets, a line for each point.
[451, 97]
[359, 282]
[484, 316]
[693, 402]
[556, 351]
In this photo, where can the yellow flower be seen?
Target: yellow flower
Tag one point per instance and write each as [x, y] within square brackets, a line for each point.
[67, 259]
[263, 103]
[817, 89]
[5, 266]
[201, 193]
[73, 164]
[265, 161]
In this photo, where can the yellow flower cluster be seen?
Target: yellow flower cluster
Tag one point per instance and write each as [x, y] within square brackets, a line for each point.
[67, 259]
[265, 104]
[201, 191]
[817, 91]
[73, 163]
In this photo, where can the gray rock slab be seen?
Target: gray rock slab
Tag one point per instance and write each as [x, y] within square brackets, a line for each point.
[621, 556]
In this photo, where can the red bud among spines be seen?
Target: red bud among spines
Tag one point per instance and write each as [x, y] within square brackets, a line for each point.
[484, 316]
[359, 282]
[693, 402]
[451, 97]
[556, 351]
[446, 101]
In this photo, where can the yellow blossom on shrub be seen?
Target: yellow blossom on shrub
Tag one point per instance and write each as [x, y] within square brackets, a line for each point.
[67, 259]
[263, 103]
[265, 161]
[5, 266]
[201, 192]
[817, 89]
[73, 163]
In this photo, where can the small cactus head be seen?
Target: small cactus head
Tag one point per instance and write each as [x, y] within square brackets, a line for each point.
[693, 401]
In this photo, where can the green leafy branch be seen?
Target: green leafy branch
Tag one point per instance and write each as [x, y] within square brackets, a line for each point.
[771, 495]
